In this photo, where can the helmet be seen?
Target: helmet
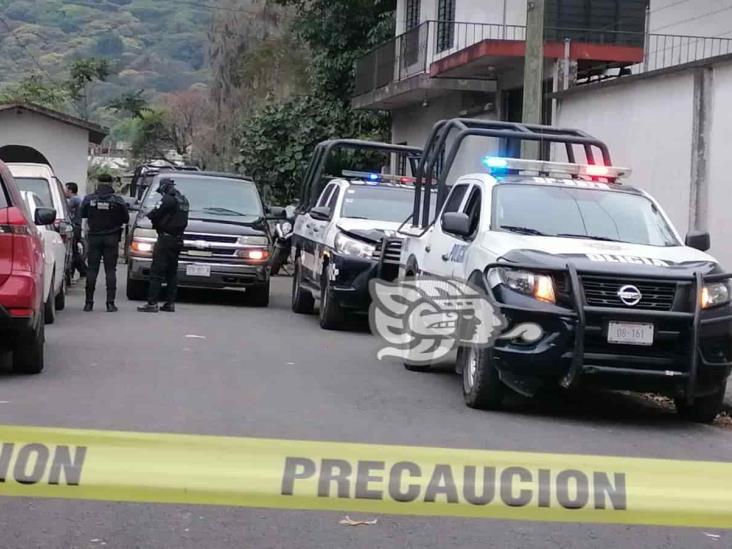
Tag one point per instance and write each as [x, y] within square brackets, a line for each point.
[166, 185]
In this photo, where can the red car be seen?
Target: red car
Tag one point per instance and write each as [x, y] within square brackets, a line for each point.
[21, 278]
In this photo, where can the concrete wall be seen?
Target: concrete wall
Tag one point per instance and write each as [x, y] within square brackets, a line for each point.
[649, 125]
[66, 147]
[691, 17]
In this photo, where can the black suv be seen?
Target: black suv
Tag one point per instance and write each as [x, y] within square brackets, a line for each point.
[227, 243]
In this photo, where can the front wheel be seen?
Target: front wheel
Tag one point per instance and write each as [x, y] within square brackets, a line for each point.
[482, 385]
[302, 300]
[61, 298]
[137, 290]
[331, 313]
[258, 296]
[704, 409]
[49, 308]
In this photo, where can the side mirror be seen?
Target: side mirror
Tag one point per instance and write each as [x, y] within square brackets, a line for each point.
[699, 240]
[321, 213]
[275, 212]
[456, 223]
[44, 216]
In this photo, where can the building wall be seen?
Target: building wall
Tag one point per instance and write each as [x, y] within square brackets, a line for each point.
[648, 125]
[470, 11]
[66, 147]
[691, 17]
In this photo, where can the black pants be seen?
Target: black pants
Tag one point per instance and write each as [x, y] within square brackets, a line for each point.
[165, 268]
[79, 261]
[102, 247]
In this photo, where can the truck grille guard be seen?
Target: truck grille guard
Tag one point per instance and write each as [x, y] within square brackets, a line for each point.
[581, 310]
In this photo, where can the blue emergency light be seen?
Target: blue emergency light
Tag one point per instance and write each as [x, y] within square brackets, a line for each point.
[495, 163]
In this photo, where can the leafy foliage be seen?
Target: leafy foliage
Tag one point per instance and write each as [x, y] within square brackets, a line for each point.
[155, 45]
[277, 142]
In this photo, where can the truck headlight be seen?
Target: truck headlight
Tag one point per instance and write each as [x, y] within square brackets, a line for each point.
[538, 286]
[350, 246]
[253, 241]
[715, 294]
[143, 242]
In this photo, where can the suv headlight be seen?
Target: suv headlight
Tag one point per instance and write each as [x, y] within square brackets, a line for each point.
[715, 294]
[253, 241]
[538, 286]
[350, 246]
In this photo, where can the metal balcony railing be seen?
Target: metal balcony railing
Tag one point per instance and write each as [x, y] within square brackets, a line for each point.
[413, 52]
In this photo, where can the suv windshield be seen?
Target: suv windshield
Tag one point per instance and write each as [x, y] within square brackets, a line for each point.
[378, 203]
[580, 213]
[38, 186]
[214, 195]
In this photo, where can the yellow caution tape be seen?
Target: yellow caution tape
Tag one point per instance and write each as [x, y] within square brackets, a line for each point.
[185, 469]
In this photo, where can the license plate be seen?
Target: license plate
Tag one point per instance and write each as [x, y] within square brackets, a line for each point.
[629, 333]
[198, 270]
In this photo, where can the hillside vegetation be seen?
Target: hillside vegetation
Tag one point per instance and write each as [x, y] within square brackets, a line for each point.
[155, 45]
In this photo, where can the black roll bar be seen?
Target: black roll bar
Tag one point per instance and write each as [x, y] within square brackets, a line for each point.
[437, 152]
[316, 169]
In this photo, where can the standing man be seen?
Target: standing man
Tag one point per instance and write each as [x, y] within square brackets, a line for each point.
[170, 220]
[106, 214]
[74, 203]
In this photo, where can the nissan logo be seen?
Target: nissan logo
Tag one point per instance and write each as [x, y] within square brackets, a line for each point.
[630, 295]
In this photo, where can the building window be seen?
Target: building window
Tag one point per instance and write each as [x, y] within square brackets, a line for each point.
[445, 25]
[411, 43]
[412, 15]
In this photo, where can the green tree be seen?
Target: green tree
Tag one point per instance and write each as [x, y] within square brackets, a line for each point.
[131, 104]
[83, 73]
[38, 90]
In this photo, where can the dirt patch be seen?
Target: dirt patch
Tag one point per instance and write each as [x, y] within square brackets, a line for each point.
[724, 420]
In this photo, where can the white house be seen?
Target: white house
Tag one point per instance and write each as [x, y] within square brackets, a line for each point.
[30, 133]
[652, 79]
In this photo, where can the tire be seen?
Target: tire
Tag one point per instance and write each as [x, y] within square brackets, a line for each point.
[60, 301]
[49, 308]
[417, 367]
[705, 409]
[29, 353]
[137, 290]
[257, 296]
[302, 300]
[332, 315]
[482, 386]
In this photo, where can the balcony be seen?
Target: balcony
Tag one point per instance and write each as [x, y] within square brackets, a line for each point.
[438, 57]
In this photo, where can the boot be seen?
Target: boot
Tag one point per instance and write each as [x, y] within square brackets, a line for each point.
[111, 307]
[168, 308]
[89, 307]
[149, 308]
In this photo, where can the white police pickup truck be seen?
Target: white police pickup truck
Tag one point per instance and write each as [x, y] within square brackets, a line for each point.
[342, 232]
[595, 284]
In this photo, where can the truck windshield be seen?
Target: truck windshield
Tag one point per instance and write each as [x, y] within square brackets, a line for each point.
[570, 212]
[217, 196]
[378, 203]
[38, 186]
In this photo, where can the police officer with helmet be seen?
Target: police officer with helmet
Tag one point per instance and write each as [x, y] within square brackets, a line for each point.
[106, 214]
[169, 219]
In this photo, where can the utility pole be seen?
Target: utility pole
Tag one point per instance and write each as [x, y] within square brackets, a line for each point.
[533, 71]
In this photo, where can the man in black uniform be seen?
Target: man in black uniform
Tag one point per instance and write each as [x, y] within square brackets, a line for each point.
[106, 214]
[170, 220]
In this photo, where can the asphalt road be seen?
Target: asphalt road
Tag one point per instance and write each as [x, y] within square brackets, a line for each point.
[269, 373]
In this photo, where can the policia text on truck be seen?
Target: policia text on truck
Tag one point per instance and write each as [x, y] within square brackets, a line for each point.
[595, 269]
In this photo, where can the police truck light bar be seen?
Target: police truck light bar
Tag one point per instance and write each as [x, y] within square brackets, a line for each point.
[378, 177]
[500, 166]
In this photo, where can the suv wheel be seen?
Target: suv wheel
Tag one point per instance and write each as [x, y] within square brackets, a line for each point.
[49, 308]
[705, 409]
[137, 290]
[28, 355]
[61, 298]
[302, 300]
[482, 386]
[331, 313]
[258, 296]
